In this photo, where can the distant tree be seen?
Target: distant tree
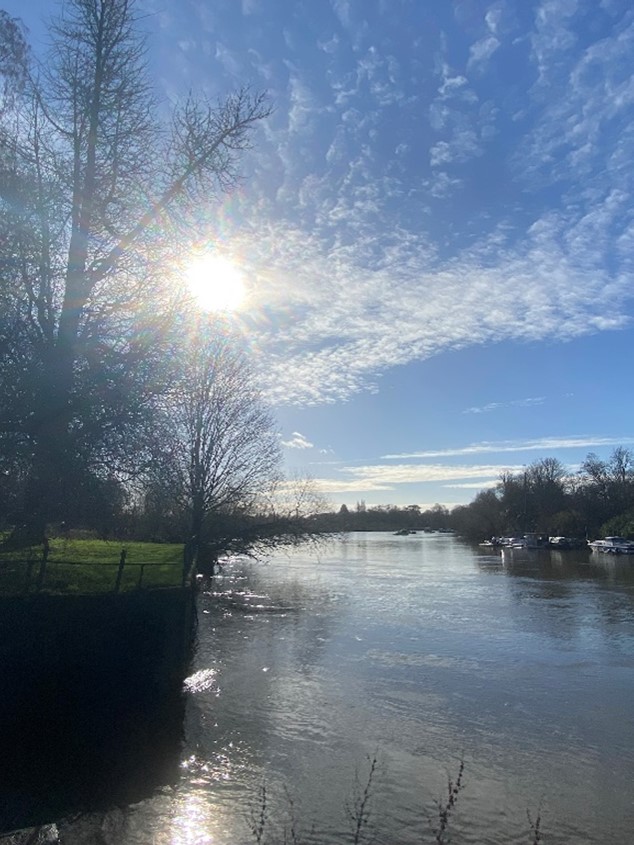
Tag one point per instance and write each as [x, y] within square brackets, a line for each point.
[436, 517]
[512, 492]
[621, 465]
[607, 487]
[621, 525]
[480, 520]
[568, 523]
[546, 493]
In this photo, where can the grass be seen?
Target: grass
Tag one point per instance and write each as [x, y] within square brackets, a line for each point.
[78, 566]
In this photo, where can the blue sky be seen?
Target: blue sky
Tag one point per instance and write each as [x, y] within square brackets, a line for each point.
[436, 227]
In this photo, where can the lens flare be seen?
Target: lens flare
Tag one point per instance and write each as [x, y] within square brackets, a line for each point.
[215, 283]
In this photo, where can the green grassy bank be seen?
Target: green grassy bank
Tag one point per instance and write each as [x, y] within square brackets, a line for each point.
[90, 566]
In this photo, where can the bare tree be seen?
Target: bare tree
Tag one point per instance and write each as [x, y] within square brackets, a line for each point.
[223, 442]
[96, 198]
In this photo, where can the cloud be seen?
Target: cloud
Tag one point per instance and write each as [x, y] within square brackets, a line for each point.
[580, 107]
[231, 61]
[493, 17]
[379, 228]
[382, 477]
[515, 403]
[354, 26]
[481, 51]
[457, 115]
[330, 311]
[474, 485]
[543, 444]
[297, 441]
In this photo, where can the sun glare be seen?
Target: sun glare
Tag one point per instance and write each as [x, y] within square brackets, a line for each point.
[216, 283]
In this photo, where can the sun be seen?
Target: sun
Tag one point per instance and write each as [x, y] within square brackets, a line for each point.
[215, 283]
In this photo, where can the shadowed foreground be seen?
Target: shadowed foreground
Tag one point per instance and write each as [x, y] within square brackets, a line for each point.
[91, 709]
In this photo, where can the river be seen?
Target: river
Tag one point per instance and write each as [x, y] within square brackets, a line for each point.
[417, 652]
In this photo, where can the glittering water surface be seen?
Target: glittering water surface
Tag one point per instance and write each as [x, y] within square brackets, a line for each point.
[418, 651]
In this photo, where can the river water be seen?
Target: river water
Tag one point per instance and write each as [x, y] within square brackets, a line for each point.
[418, 652]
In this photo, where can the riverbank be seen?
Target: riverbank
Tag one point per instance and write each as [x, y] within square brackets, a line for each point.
[82, 566]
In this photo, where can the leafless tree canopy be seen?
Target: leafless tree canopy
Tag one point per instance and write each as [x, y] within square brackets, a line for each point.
[223, 442]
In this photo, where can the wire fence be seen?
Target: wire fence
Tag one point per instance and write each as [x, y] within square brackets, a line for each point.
[41, 574]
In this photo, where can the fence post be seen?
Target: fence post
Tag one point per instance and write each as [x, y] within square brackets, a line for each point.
[42, 574]
[29, 569]
[120, 570]
[189, 561]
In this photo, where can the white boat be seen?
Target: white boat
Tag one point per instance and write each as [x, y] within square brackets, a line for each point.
[613, 545]
[566, 543]
[510, 542]
[528, 541]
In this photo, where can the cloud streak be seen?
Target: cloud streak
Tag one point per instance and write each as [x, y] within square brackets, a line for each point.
[544, 444]
[515, 403]
[381, 477]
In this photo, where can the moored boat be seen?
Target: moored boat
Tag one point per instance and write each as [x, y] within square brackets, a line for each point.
[613, 545]
[564, 543]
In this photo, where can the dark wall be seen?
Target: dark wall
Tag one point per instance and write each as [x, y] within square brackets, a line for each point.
[91, 702]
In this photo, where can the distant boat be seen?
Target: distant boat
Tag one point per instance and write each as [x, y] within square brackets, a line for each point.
[527, 541]
[509, 542]
[403, 531]
[613, 546]
[562, 543]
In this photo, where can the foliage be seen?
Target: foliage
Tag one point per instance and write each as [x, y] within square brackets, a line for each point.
[14, 57]
[544, 498]
[98, 203]
[596, 501]
[382, 518]
[619, 526]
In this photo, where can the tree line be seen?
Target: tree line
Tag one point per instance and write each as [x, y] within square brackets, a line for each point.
[362, 517]
[546, 498]
[122, 407]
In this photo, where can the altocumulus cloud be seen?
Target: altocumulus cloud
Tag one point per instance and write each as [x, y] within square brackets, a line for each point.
[358, 256]
[331, 320]
[297, 441]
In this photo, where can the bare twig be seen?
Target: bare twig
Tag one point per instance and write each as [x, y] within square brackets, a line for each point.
[446, 808]
[259, 817]
[359, 812]
[535, 826]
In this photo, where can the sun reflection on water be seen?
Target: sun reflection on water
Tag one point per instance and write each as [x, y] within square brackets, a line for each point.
[204, 679]
[193, 821]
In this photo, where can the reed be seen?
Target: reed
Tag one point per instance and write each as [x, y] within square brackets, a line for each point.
[365, 826]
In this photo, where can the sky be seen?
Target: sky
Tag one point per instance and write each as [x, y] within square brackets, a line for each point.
[435, 228]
